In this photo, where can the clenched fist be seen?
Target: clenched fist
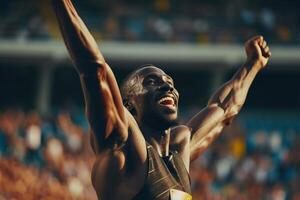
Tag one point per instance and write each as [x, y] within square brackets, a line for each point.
[258, 52]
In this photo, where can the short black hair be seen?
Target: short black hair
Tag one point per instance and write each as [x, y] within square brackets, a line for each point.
[127, 84]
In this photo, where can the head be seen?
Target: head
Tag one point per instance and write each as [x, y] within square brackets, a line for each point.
[149, 94]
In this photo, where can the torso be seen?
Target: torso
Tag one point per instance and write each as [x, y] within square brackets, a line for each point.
[120, 175]
[163, 174]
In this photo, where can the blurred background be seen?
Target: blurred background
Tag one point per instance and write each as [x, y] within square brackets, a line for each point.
[44, 143]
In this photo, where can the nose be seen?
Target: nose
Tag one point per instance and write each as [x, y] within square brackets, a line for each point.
[166, 87]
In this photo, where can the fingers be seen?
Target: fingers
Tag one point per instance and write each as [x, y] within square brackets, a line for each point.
[267, 54]
[256, 41]
[265, 49]
[256, 47]
[263, 44]
[259, 40]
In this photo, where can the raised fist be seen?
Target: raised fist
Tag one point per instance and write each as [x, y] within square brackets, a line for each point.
[257, 50]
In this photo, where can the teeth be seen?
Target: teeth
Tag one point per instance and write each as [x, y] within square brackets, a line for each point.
[166, 99]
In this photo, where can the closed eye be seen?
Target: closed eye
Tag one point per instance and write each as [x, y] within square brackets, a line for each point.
[169, 80]
[150, 81]
[171, 83]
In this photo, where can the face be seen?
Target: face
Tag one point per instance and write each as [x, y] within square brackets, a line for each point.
[154, 96]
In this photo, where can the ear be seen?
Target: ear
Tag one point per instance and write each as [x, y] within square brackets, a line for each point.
[128, 104]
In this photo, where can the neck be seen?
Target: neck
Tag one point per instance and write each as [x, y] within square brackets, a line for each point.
[158, 137]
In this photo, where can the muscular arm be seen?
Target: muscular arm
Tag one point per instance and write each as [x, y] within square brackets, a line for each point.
[104, 108]
[228, 99]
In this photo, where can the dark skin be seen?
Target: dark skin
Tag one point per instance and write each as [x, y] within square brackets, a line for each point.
[119, 133]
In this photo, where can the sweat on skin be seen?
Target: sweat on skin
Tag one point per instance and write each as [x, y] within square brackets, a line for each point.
[119, 133]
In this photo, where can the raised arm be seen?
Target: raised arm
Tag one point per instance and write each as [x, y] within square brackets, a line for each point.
[104, 107]
[228, 99]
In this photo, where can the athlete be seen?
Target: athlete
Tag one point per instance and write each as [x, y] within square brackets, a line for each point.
[142, 152]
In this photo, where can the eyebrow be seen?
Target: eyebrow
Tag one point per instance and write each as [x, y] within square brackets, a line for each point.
[151, 76]
[156, 76]
[169, 77]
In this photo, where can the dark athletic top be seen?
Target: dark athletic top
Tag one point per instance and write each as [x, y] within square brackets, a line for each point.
[164, 173]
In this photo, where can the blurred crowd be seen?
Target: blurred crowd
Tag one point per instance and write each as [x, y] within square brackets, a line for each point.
[43, 158]
[191, 21]
[246, 165]
[50, 158]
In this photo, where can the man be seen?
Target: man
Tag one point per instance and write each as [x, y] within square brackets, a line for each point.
[141, 151]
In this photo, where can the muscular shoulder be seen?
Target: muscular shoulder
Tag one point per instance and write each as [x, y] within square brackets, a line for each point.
[180, 142]
[180, 137]
[108, 173]
[120, 172]
[109, 162]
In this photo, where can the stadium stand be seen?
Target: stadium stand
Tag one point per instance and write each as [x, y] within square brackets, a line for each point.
[44, 147]
[51, 157]
[167, 21]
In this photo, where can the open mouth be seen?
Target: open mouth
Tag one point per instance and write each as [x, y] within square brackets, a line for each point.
[167, 100]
